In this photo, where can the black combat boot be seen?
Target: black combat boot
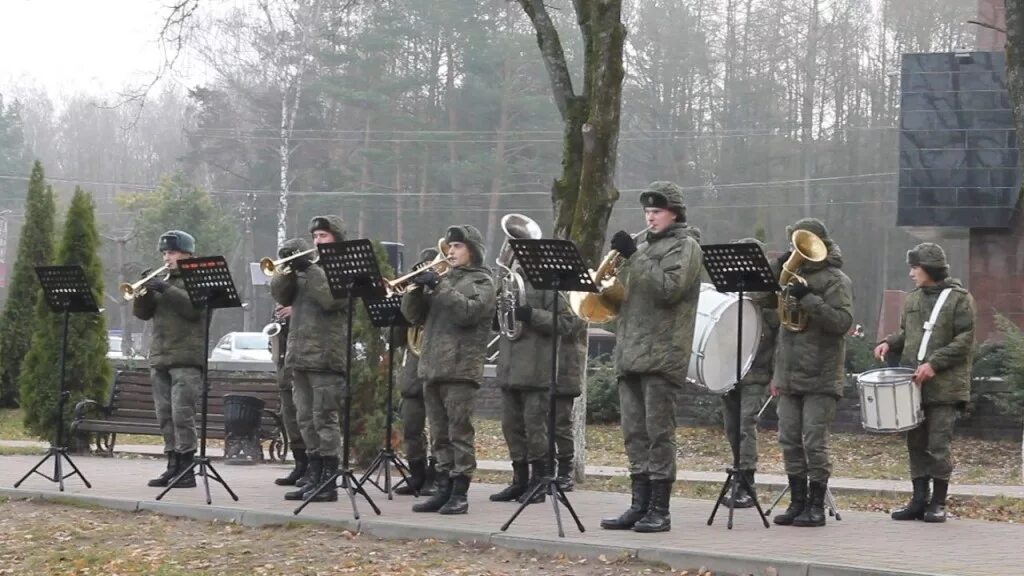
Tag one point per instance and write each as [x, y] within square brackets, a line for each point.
[313, 474]
[520, 479]
[539, 470]
[565, 474]
[657, 518]
[457, 503]
[814, 513]
[914, 510]
[442, 492]
[797, 501]
[169, 473]
[743, 498]
[330, 493]
[637, 508]
[429, 478]
[414, 481]
[301, 463]
[936, 509]
[309, 476]
[185, 462]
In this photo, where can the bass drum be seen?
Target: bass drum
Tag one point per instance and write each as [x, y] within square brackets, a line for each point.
[713, 360]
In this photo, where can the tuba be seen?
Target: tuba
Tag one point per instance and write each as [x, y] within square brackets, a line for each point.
[603, 306]
[132, 291]
[512, 287]
[403, 284]
[807, 247]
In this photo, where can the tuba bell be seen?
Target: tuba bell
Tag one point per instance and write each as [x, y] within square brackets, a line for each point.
[807, 247]
[512, 287]
[601, 307]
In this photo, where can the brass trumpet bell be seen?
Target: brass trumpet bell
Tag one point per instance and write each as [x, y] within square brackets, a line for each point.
[602, 306]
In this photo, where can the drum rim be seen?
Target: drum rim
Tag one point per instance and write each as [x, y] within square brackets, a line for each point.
[899, 375]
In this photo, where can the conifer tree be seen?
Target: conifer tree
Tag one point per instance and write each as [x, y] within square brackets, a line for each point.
[35, 248]
[88, 372]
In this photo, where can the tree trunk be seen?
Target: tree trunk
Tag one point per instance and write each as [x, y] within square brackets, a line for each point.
[364, 178]
[498, 172]
[283, 158]
[1015, 85]
[807, 106]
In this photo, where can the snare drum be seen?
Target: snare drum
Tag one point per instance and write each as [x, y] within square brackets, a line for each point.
[889, 400]
[713, 358]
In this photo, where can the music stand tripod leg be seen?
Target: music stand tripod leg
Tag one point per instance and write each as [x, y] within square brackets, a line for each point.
[778, 497]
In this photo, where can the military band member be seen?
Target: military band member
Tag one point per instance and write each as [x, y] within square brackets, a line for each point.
[455, 311]
[741, 404]
[524, 376]
[279, 349]
[414, 414]
[943, 372]
[176, 357]
[809, 376]
[654, 338]
[317, 345]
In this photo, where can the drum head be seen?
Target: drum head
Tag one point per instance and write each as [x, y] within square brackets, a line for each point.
[886, 375]
[716, 370]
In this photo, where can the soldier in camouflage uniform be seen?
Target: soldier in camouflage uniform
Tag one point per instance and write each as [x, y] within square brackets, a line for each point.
[414, 413]
[524, 376]
[944, 375]
[279, 349]
[741, 404]
[654, 338]
[317, 345]
[809, 376]
[176, 357]
[455, 311]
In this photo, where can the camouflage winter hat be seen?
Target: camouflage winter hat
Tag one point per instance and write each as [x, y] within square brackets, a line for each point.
[428, 254]
[666, 195]
[470, 236]
[291, 246]
[927, 255]
[329, 223]
[812, 225]
[177, 240]
[763, 246]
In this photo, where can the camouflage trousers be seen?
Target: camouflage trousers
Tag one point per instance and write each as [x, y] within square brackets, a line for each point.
[414, 420]
[565, 447]
[524, 422]
[930, 443]
[318, 397]
[804, 425]
[176, 394]
[740, 407]
[648, 406]
[449, 411]
[288, 416]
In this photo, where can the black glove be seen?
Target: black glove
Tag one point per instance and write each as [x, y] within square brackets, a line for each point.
[427, 278]
[301, 264]
[523, 313]
[798, 291]
[623, 243]
[782, 259]
[157, 285]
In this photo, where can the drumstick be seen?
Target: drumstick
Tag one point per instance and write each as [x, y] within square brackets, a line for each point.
[766, 403]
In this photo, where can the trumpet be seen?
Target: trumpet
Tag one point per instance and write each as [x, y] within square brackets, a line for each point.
[270, 267]
[132, 291]
[403, 284]
[603, 306]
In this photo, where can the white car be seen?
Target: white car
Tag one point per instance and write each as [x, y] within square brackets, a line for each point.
[242, 347]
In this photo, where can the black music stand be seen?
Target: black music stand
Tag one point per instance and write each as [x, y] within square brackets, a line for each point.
[209, 286]
[738, 268]
[554, 265]
[387, 312]
[66, 290]
[352, 272]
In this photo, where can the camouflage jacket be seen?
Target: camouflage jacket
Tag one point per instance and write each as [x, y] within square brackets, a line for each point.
[761, 369]
[811, 362]
[525, 363]
[456, 318]
[317, 337]
[654, 330]
[177, 327]
[409, 383]
[951, 346]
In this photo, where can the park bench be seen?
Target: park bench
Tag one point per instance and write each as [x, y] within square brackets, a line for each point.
[130, 410]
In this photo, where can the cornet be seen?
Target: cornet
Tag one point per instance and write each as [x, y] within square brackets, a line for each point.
[403, 284]
[132, 291]
[269, 266]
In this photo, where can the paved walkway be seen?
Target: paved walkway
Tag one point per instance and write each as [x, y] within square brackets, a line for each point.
[861, 544]
[770, 481]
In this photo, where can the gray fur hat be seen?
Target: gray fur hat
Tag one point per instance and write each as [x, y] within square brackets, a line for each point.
[927, 255]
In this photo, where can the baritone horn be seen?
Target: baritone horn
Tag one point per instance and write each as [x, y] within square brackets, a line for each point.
[603, 306]
[807, 247]
[269, 266]
[403, 284]
[133, 291]
[512, 290]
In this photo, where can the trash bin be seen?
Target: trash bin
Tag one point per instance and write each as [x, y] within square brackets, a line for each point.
[242, 415]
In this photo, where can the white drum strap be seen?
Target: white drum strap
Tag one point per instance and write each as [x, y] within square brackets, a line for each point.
[929, 326]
